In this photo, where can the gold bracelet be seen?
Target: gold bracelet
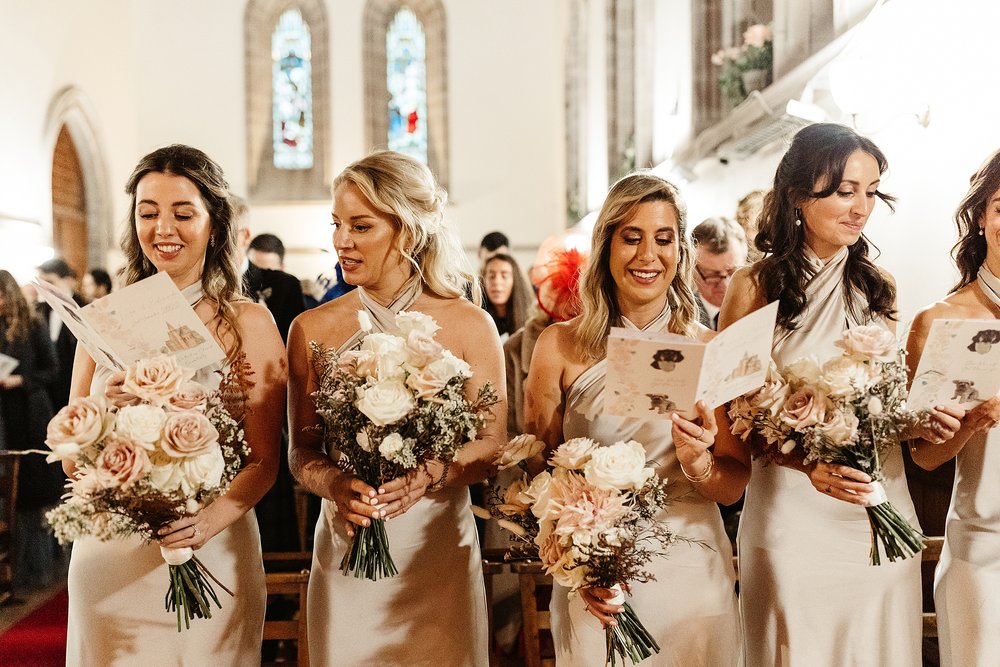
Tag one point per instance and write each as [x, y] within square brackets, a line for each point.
[442, 480]
[704, 475]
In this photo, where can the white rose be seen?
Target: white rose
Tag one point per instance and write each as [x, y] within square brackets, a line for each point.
[142, 423]
[844, 376]
[573, 454]
[167, 476]
[620, 466]
[539, 494]
[421, 348]
[433, 378]
[389, 356]
[407, 321]
[390, 446]
[203, 471]
[385, 402]
[518, 449]
[840, 426]
[806, 369]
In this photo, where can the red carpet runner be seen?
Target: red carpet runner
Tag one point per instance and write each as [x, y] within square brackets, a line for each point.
[39, 639]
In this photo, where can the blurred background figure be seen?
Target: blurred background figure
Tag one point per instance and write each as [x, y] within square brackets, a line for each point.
[58, 272]
[721, 249]
[267, 251]
[747, 214]
[95, 284]
[325, 287]
[492, 244]
[508, 296]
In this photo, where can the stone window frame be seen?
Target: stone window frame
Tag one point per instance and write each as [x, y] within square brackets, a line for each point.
[265, 182]
[378, 14]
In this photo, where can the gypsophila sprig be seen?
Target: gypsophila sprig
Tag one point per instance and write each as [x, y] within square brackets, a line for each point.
[143, 466]
[850, 410]
[593, 518]
[390, 406]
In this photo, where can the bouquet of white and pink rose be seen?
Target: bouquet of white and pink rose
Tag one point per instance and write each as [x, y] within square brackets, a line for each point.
[591, 518]
[849, 411]
[388, 407]
[142, 466]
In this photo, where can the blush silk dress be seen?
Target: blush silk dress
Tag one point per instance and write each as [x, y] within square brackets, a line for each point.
[117, 588]
[690, 609]
[968, 575]
[808, 595]
[433, 613]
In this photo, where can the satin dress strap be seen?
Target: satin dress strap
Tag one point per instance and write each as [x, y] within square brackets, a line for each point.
[384, 317]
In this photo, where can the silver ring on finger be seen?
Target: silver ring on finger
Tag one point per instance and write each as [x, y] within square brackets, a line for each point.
[702, 431]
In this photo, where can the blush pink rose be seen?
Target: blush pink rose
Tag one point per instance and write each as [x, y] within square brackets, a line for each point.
[868, 342]
[78, 426]
[121, 463]
[188, 434]
[192, 396]
[805, 408]
[757, 35]
[155, 380]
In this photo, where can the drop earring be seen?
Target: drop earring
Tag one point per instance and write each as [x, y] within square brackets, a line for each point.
[798, 218]
[982, 231]
[211, 241]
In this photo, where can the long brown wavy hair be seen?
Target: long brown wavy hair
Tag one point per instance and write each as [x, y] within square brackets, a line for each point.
[220, 278]
[520, 294]
[818, 154]
[970, 251]
[16, 314]
[598, 290]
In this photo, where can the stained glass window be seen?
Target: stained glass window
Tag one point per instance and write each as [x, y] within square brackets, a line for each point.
[406, 77]
[291, 101]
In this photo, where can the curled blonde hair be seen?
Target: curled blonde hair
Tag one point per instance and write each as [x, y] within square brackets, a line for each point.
[598, 290]
[405, 189]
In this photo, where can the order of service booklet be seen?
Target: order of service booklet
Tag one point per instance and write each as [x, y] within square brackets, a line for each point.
[145, 319]
[7, 366]
[960, 365]
[654, 374]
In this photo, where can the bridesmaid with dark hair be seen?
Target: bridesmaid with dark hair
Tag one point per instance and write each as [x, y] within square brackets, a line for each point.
[807, 593]
[968, 574]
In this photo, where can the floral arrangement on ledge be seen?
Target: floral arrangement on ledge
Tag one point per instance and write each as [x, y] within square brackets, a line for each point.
[748, 67]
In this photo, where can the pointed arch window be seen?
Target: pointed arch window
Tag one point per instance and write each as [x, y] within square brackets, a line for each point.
[291, 91]
[406, 81]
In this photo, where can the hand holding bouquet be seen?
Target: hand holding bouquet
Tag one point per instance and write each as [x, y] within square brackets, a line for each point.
[591, 520]
[848, 411]
[389, 407]
[143, 466]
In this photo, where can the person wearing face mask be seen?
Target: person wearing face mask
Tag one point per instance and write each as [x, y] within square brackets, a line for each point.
[393, 245]
[808, 595]
[639, 277]
[507, 294]
[181, 223]
[721, 249]
[967, 579]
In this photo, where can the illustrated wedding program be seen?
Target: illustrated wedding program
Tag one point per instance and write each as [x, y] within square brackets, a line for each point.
[960, 366]
[654, 374]
[141, 321]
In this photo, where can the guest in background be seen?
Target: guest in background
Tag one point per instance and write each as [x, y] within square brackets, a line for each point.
[507, 294]
[748, 217]
[25, 410]
[96, 283]
[492, 244]
[721, 249]
[282, 294]
[267, 251]
[325, 287]
[57, 272]
[967, 578]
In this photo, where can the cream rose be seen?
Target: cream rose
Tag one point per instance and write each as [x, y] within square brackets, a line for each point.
[433, 378]
[391, 445]
[407, 321]
[121, 463]
[143, 423]
[515, 500]
[77, 427]
[155, 380]
[539, 494]
[166, 476]
[839, 426]
[421, 348]
[844, 376]
[806, 407]
[619, 466]
[192, 396]
[806, 369]
[203, 471]
[385, 402]
[188, 434]
[869, 342]
[573, 454]
[518, 449]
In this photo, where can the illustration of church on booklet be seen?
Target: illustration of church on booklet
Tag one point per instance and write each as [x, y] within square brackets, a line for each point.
[748, 365]
[181, 338]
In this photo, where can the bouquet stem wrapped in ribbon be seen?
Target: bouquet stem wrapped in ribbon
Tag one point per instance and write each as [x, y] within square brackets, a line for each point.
[389, 407]
[140, 467]
[591, 518]
[850, 410]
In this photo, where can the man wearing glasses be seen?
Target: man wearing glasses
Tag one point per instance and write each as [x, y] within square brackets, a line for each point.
[721, 249]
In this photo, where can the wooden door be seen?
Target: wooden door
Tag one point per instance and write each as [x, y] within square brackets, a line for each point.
[69, 205]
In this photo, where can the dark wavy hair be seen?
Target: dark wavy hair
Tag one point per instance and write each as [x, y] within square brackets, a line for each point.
[220, 278]
[15, 315]
[817, 156]
[970, 251]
